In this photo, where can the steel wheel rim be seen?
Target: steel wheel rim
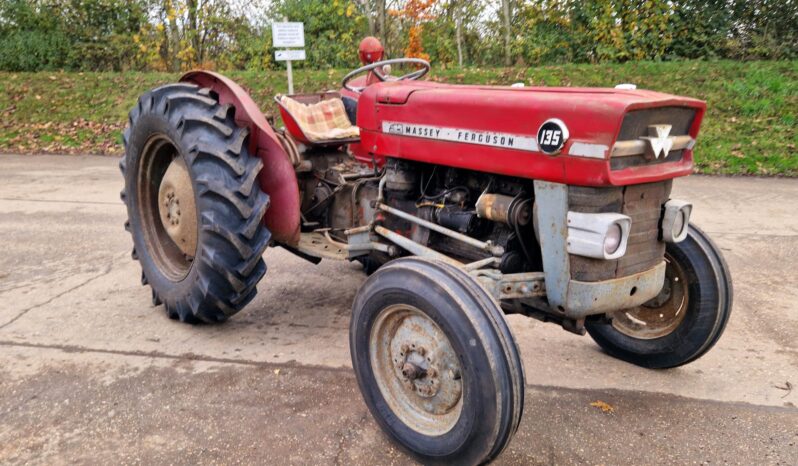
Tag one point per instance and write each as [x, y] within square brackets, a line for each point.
[662, 315]
[416, 369]
[158, 155]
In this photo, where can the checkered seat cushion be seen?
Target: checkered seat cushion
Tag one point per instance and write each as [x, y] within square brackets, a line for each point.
[321, 121]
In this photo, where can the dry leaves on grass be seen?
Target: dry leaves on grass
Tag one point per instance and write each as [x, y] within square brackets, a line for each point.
[77, 137]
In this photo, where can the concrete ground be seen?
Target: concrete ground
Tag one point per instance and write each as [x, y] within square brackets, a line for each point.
[90, 372]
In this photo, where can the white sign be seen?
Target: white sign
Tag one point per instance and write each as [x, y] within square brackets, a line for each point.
[468, 136]
[288, 34]
[289, 55]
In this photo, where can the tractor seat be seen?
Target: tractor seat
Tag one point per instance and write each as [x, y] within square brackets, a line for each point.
[317, 119]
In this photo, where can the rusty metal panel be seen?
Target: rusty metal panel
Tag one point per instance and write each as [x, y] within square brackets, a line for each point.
[589, 298]
[551, 212]
[317, 245]
[594, 201]
[643, 204]
[514, 285]
[642, 270]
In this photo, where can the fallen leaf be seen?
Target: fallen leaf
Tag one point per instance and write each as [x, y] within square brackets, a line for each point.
[603, 406]
[277, 372]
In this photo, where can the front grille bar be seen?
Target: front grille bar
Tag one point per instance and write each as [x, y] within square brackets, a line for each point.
[638, 147]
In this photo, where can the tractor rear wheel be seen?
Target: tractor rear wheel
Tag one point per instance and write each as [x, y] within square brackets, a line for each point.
[195, 207]
[436, 362]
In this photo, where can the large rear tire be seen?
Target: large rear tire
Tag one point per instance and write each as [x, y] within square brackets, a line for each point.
[685, 321]
[195, 207]
[436, 362]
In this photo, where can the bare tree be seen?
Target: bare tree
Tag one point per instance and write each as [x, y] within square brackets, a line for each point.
[458, 24]
[381, 20]
[506, 13]
[367, 7]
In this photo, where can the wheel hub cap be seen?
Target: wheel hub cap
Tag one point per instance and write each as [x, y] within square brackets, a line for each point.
[417, 369]
[177, 207]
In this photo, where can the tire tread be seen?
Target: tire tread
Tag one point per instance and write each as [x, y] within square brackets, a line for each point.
[230, 202]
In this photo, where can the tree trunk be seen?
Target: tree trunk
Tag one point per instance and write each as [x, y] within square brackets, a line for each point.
[458, 22]
[174, 43]
[193, 33]
[508, 59]
[368, 10]
[381, 21]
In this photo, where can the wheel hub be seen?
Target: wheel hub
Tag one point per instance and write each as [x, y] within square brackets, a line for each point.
[413, 372]
[417, 369]
[661, 315]
[177, 207]
[417, 372]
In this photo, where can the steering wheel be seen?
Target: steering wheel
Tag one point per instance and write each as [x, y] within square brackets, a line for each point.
[376, 67]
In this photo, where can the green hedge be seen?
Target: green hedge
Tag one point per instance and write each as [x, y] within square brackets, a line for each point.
[751, 126]
[114, 35]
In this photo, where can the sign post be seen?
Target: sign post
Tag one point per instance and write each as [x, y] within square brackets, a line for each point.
[288, 35]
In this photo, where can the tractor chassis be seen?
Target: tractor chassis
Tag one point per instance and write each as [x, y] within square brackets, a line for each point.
[519, 293]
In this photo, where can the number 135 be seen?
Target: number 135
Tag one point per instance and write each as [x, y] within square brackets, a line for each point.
[551, 137]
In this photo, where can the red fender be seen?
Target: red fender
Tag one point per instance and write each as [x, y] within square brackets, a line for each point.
[277, 178]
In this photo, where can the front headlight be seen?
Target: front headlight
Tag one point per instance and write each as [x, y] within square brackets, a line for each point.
[675, 220]
[600, 236]
[613, 239]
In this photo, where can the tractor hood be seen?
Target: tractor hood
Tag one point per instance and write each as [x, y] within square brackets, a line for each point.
[558, 134]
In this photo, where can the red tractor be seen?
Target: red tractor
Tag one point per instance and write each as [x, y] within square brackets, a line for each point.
[463, 203]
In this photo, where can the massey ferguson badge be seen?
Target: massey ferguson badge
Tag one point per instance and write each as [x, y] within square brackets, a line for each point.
[508, 141]
[463, 203]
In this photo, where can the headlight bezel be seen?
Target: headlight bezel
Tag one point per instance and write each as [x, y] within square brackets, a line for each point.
[588, 234]
[672, 211]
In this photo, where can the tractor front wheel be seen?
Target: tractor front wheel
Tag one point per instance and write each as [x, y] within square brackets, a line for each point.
[436, 362]
[195, 208]
[684, 321]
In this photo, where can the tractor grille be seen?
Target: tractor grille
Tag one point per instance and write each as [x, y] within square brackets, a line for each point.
[636, 123]
[619, 163]
[643, 204]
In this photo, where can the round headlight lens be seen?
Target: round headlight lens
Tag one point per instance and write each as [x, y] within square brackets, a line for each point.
[678, 224]
[612, 240]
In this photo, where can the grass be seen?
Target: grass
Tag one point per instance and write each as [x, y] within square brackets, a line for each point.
[751, 127]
